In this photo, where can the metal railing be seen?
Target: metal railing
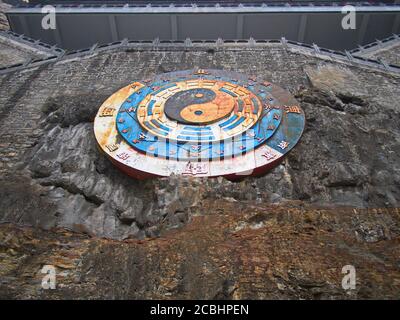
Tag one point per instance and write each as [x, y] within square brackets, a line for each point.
[34, 44]
[376, 45]
[212, 4]
[346, 56]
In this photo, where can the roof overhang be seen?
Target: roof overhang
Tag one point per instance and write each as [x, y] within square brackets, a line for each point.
[80, 26]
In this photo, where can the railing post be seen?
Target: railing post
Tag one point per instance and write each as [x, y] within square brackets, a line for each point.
[348, 55]
[316, 49]
[284, 42]
[188, 42]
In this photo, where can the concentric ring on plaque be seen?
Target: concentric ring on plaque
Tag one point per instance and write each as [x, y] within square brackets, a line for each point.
[147, 106]
[137, 151]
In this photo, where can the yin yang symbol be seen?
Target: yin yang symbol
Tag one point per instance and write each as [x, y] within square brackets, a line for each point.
[199, 106]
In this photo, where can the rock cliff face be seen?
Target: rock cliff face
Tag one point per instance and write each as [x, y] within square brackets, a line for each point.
[284, 235]
[233, 250]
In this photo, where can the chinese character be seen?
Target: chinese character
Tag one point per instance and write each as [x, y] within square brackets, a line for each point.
[142, 136]
[266, 83]
[195, 168]
[112, 147]
[293, 109]
[271, 127]
[134, 85]
[196, 148]
[268, 155]
[253, 78]
[283, 145]
[107, 112]
[201, 71]
[123, 156]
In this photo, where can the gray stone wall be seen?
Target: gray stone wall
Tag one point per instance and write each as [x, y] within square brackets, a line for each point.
[15, 50]
[10, 55]
[389, 52]
[3, 19]
[391, 55]
[53, 175]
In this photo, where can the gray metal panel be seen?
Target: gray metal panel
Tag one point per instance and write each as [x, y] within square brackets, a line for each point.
[38, 32]
[15, 23]
[143, 26]
[271, 25]
[255, 8]
[326, 30]
[83, 30]
[379, 27]
[207, 26]
[81, 27]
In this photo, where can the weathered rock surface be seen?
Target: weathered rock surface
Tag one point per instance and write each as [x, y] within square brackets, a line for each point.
[233, 251]
[84, 192]
[336, 163]
[209, 238]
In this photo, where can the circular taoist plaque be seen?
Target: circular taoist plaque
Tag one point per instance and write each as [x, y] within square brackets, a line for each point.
[204, 123]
